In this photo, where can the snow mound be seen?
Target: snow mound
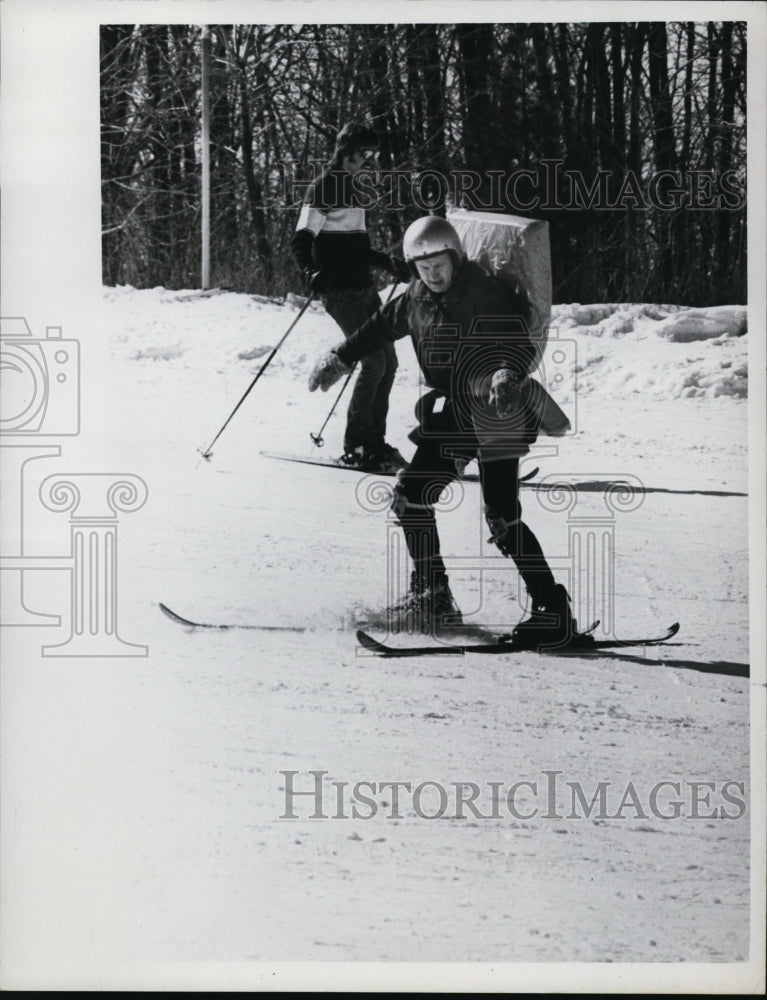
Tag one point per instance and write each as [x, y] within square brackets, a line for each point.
[705, 324]
[169, 353]
[677, 323]
[702, 382]
[609, 318]
[610, 349]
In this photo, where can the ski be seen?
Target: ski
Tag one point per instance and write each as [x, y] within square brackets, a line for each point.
[328, 462]
[503, 644]
[332, 464]
[179, 620]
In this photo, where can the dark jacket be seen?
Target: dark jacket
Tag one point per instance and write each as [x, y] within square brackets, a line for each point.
[472, 330]
[331, 235]
[461, 339]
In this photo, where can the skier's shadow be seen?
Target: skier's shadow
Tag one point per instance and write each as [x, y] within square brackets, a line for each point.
[725, 667]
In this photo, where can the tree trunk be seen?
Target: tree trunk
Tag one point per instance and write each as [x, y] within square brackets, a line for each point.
[709, 145]
[663, 140]
[118, 69]
[223, 164]
[475, 45]
[159, 211]
[432, 151]
[723, 250]
[633, 249]
[252, 183]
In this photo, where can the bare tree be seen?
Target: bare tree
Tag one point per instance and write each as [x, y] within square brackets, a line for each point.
[614, 105]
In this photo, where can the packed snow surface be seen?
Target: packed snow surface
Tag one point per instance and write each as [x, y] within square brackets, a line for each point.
[178, 766]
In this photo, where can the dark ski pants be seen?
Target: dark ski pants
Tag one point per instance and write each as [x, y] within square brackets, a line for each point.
[369, 404]
[419, 488]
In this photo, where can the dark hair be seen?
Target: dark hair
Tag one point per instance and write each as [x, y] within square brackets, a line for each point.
[352, 137]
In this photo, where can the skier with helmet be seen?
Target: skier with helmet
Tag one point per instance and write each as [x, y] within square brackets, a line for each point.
[471, 339]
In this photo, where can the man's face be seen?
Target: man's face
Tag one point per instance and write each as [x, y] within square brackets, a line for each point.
[360, 160]
[437, 272]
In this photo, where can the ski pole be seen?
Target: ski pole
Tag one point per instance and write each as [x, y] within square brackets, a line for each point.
[207, 453]
[317, 438]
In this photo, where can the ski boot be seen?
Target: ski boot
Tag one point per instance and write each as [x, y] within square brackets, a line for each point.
[550, 625]
[353, 458]
[385, 459]
[425, 608]
[445, 613]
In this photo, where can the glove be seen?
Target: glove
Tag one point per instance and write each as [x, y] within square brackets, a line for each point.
[505, 395]
[399, 269]
[317, 281]
[327, 372]
[460, 466]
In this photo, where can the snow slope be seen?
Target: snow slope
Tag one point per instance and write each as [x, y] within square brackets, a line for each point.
[172, 848]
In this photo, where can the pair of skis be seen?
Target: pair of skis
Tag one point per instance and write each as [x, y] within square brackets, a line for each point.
[499, 644]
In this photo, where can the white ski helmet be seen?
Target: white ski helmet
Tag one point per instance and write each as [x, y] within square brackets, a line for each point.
[429, 236]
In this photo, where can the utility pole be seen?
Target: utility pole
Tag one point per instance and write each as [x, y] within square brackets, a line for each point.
[205, 213]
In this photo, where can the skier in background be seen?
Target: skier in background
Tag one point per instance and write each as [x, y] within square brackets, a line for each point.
[472, 342]
[332, 247]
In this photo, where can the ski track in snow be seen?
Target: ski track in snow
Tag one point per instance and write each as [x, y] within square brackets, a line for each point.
[195, 736]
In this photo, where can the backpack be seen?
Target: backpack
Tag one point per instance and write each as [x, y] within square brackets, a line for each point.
[517, 252]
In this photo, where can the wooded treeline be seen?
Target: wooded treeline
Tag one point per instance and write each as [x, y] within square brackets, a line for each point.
[629, 138]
